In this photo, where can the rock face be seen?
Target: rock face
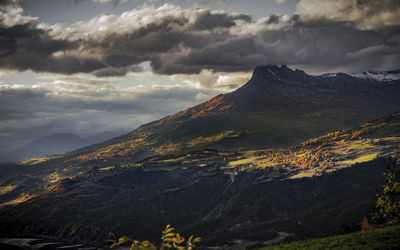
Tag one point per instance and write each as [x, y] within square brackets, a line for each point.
[276, 107]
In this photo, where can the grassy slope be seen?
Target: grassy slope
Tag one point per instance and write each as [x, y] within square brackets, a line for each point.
[381, 238]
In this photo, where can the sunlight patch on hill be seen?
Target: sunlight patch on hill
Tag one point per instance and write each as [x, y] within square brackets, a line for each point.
[22, 198]
[34, 161]
[363, 158]
[6, 189]
[213, 138]
[241, 161]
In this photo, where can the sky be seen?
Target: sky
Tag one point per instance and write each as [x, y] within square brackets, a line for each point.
[88, 66]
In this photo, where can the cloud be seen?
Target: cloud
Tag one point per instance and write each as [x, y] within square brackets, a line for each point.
[24, 45]
[108, 1]
[13, 16]
[366, 14]
[179, 41]
[8, 3]
[223, 82]
[115, 2]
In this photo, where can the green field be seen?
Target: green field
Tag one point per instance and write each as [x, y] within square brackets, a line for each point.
[361, 146]
[363, 158]
[381, 238]
[241, 161]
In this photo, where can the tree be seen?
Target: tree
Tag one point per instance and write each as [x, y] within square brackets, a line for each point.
[365, 224]
[387, 210]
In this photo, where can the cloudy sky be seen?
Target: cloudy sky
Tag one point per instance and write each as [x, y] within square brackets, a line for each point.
[87, 66]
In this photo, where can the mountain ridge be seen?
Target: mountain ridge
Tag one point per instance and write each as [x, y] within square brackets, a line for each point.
[276, 107]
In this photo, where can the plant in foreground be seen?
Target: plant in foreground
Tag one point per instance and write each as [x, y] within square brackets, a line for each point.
[388, 200]
[170, 240]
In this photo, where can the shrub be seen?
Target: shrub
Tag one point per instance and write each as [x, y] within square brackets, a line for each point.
[170, 240]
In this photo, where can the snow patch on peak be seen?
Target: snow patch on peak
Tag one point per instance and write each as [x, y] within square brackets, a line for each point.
[329, 75]
[379, 76]
[272, 72]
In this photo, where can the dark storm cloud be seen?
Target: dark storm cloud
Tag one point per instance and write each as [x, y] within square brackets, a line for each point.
[155, 42]
[134, 46]
[117, 70]
[318, 46]
[366, 14]
[207, 20]
[25, 46]
[225, 56]
[5, 3]
[273, 19]
[115, 2]
[227, 43]
[187, 41]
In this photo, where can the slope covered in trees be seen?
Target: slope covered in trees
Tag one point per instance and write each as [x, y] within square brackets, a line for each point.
[227, 197]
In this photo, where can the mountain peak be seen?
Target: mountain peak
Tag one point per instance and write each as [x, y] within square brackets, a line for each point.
[265, 72]
[269, 77]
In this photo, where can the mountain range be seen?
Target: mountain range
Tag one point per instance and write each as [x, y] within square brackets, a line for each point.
[286, 156]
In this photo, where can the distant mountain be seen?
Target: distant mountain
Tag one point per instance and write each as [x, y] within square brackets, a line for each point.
[276, 107]
[47, 145]
[102, 136]
[56, 144]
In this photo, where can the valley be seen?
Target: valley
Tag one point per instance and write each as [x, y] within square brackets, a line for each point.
[228, 197]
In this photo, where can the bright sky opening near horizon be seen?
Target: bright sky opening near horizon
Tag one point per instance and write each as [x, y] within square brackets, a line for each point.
[88, 66]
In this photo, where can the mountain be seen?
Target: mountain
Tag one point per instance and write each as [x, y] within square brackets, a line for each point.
[48, 145]
[55, 144]
[102, 136]
[276, 107]
[242, 198]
